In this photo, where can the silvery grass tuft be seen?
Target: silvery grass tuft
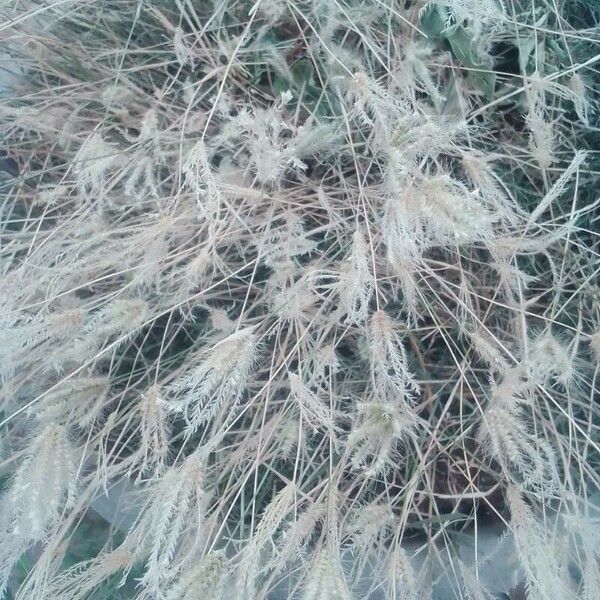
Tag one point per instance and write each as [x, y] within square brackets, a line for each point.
[300, 300]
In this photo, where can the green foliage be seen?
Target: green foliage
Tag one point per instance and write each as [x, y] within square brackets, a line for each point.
[436, 23]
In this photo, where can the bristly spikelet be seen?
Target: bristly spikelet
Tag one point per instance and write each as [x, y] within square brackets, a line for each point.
[219, 379]
[51, 460]
[379, 428]
[326, 581]
[313, 411]
[541, 567]
[199, 177]
[403, 582]
[152, 419]
[391, 377]
[260, 546]
[79, 401]
[169, 532]
[92, 164]
[356, 281]
[580, 96]
[182, 51]
[506, 437]
[42, 488]
[83, 579]
[542, 140]
[551, 359]
[370, 525]
[205, 580]
[473, 588]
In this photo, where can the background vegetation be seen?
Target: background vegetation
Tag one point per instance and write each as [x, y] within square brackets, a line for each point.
[299, 299]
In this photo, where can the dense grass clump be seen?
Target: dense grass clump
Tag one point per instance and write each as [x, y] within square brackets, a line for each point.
[300, 300]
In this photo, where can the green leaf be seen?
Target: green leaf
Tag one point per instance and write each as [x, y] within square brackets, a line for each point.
[302, 70]
[434, 20]
[435, 23]
[280, 85]
[462, 47]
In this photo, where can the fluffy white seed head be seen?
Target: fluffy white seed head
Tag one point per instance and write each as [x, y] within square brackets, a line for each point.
[218, 379]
